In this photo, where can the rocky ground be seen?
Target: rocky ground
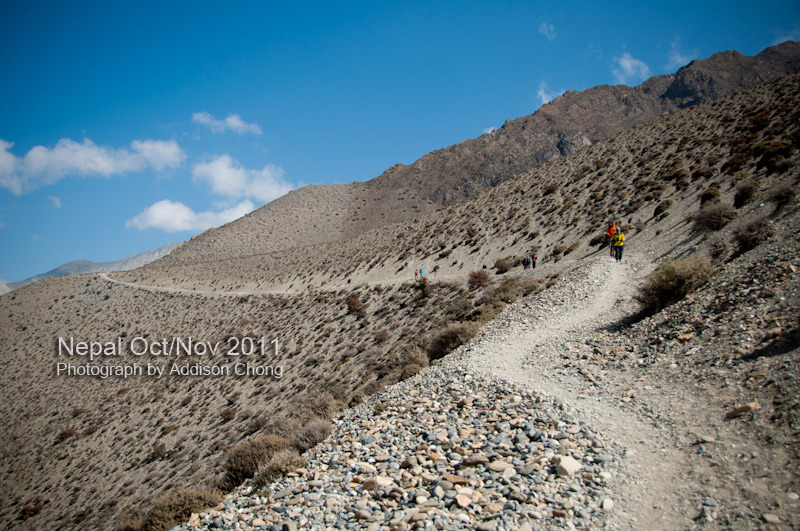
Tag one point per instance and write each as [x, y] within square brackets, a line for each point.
[563, 413]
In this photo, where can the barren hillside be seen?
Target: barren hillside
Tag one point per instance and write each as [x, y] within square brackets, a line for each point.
[450, 176]
[84, 452]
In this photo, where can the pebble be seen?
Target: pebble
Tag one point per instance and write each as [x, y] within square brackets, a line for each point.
[507, 474]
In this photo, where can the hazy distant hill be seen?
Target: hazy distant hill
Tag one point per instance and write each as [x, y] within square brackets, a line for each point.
[76, 267]
[319, 214]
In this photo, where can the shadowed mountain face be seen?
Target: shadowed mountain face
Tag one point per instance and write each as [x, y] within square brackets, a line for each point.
[319, 214]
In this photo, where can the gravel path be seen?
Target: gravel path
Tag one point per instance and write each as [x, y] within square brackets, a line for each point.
[535, 343]
[501, 435]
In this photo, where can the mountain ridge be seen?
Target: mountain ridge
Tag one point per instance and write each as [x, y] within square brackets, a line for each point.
[78, 267]
[459, 172]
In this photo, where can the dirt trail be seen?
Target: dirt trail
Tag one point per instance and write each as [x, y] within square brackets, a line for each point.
[528, 344]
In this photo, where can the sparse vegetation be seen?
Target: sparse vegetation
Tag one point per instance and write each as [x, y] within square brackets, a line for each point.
[176, 507]
[310, 433]
[478, 279]
[713, 217]
[282, 463]
[745, 193]
[672, 281]
[450, 337]
[242, 460]
[752, 235]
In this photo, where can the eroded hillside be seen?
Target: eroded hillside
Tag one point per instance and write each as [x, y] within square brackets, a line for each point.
[80, 452]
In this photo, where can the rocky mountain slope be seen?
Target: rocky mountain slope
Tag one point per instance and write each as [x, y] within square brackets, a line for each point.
[460, 172]
[77, 267]
[88, 452]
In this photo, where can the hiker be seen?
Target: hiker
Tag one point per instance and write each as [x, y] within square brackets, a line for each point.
[526, 262]
[421, 272]
[416, 274]
[533, 260]
[618, 243]
[610, 232]
[435, 270]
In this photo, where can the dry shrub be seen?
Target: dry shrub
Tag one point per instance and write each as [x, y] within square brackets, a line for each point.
[310, 433]
[30, 511]
[513, 288]
[177, 506]
[597, 240]
[672, 281]
[745, 193]
[411, 362]
[711, 193]
[662, 207]
[227, 414]
[281, 464]
[64, 434]
[713, 217]
[781, 195]
[316, 404]
[503, 265]
[382, 336]
[242, 460]
[752, 234]
[354, 304]
[450, 337]
[129, 522]
[478, 279]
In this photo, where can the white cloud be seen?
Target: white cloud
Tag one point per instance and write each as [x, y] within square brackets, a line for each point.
[489, 130]
[677, 58]
[43, 166]
[56, 201]
[546, 95]
[228, 178]
[547, 30]
[233, 122]
[159, 154]
[36, 237]
[630, 69]
[173, 216]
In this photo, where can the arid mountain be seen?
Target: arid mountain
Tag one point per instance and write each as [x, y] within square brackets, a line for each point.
[82, 452]
[460, 172]
[77, 267]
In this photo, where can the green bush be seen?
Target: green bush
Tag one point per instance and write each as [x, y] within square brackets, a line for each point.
[672, 281]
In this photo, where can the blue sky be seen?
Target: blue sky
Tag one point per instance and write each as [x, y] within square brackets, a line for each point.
[127, 126]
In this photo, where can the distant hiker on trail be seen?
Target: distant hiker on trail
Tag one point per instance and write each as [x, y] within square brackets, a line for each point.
[610, 232]
[416, 274]
[526, 262]
[435, 270]
[618, 242]
[533, 260]
[421, 272]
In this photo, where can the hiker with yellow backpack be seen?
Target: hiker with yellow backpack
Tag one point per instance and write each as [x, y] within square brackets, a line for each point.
[618, 243]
